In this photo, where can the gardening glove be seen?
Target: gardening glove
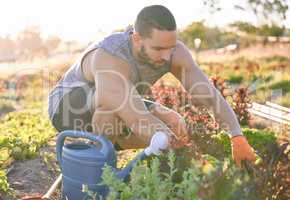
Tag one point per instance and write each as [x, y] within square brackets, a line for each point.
[158, 142]
[241, 150]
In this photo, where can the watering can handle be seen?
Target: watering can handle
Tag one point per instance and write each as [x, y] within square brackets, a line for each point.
[78, 134]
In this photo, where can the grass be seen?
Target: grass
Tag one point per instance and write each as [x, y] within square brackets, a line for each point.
[283, 85]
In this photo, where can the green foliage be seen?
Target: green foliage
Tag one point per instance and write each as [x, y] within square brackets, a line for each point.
[179, 175]
[267, 9]
[244, 27]
[235, 79]
[210, 37]
[264, 30]
[264, 10]
[4, 185]
[150, 183]
[272, 30]
[261, 76]
[260, 140]
[283, 100]
[22, 134]
[213, 37]
[283, 84]
[204, 178]
[277, 58]
[193, 31]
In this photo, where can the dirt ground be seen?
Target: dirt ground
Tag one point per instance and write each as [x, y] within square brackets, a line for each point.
[33, 177]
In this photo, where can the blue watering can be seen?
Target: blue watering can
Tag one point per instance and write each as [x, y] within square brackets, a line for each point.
[81, 163]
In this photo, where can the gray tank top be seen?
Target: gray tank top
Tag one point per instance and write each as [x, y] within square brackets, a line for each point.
[119, 45]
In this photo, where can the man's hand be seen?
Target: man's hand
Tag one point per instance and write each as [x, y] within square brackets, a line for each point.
[241, 150]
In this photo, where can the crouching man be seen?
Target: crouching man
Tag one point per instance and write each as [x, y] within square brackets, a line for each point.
[105, 87]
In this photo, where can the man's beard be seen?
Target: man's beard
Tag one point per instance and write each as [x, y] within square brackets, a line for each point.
[144, 58]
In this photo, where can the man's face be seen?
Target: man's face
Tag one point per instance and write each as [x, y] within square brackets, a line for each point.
[156, 50]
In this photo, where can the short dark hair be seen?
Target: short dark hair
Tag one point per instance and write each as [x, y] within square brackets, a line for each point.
[155, 16]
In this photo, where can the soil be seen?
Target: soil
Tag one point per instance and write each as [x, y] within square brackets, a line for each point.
[32, 177]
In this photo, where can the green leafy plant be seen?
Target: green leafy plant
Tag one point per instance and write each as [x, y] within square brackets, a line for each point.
[235, 79]
[204, 178]
[22, 134]
[284, 85]
[4, 185]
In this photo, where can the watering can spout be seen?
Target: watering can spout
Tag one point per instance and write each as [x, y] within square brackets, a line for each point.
[159, 142]
[123, 174]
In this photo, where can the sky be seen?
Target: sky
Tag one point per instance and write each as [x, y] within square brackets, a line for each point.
[86, 20]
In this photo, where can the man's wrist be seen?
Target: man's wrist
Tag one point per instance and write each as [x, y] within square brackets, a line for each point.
[237, 131]
[235, 136]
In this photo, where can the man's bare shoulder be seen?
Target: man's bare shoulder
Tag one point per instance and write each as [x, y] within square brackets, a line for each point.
[181, 59]
[181, 54]
[99, 60]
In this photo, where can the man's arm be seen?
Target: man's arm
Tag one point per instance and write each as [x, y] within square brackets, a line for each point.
[116, 93]
[202, 91]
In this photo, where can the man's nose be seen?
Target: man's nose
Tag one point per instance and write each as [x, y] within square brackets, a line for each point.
[166, 55]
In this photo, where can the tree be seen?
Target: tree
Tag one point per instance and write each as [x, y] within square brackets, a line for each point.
[210, 37]
[266, 11]
[271, 30]
[30, 42]
[263, 30]
[244, 27]
[7, 49]
[51, 43]
[193, 31]
[212, 5]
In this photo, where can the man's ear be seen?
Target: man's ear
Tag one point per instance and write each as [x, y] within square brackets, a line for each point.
[136, 37]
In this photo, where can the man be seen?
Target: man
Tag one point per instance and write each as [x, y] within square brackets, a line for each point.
[104, 87]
